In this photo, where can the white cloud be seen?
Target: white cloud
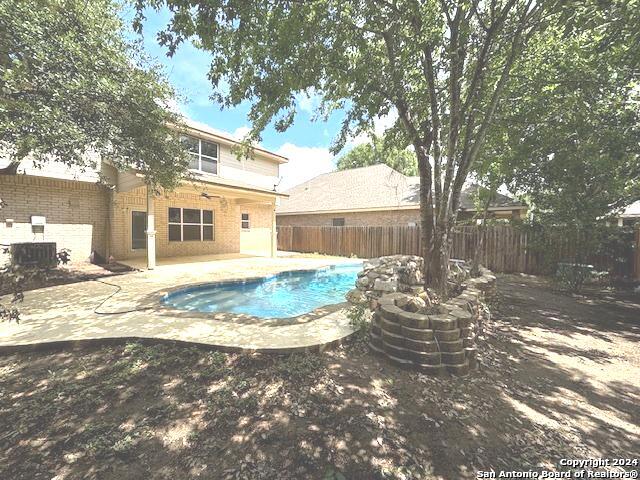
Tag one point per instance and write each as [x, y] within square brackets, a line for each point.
[240, 132]
[188, 71]
[355, 141]
[304, 164]
[308, 101]
[380, 125]
[174, 106]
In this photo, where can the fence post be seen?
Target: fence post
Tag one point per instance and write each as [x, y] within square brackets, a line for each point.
[636, 255]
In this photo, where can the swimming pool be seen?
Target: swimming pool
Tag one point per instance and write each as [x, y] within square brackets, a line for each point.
[286, 294]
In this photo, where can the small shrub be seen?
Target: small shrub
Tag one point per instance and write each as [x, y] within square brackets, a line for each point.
[213, 366]
[333, 474]
[125, 446]
[217, 359]
[572, 276]
[300, 367]
[14, 279]
[152, 355]
[161, 413]
[360, 319]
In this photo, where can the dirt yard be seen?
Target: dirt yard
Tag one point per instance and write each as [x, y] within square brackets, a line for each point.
[560, 379]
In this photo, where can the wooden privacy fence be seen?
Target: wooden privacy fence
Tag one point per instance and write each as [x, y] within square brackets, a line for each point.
[506, 248]
[636, 256]
[363, 242]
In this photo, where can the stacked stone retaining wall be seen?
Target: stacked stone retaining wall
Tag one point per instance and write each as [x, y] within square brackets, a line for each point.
[430, 338]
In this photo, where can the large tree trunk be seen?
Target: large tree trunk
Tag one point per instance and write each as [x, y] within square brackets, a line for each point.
[437, 261]
[434, 238]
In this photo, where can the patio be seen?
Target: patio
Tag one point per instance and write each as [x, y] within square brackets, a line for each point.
[127, 307]
[204, 261]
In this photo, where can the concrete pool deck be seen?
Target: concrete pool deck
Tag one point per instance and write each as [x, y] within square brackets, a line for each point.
[128, 308]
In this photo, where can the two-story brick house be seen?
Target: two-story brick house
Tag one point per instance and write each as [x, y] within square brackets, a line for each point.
[229, 206]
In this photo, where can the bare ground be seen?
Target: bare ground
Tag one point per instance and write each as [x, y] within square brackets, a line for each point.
[560, 379]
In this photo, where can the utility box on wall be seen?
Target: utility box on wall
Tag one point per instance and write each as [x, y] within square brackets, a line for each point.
[37, 224]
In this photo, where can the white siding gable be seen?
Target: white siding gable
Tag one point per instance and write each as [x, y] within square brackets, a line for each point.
[261, 170]
[57, 169]
[255, 171]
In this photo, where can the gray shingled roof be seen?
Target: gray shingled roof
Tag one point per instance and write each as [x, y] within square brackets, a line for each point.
[376, 186]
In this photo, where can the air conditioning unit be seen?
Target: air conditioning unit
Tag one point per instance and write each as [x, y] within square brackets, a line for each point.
[42, 254]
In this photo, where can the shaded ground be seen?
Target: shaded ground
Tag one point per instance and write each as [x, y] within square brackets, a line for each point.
[560, 379]
[66, 274]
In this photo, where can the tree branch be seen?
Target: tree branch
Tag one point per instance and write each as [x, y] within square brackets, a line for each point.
[427, 65]
[400, 99]
[471, 149]
[454, 111]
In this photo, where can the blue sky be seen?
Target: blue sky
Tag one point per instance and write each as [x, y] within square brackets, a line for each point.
[305, 143]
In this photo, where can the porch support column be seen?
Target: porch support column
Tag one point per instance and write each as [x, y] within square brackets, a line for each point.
[274, 233]
[151, 230]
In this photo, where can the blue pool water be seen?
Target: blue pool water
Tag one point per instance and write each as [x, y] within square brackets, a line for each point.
[286, 294]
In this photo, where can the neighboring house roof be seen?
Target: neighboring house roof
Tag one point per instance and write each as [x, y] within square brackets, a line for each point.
[631, 211]
[377, 187]
[469, 194]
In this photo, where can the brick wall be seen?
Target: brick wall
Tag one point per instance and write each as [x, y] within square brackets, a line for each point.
[77, 216]
[373, 219]
[76, 213]
[226, 224]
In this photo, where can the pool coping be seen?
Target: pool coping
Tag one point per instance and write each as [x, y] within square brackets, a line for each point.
[149, 302]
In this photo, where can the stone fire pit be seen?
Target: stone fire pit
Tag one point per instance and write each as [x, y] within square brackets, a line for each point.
[411, 331]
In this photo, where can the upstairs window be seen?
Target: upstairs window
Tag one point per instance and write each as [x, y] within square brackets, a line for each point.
[338, 222]
[203, 155]
[245, 221]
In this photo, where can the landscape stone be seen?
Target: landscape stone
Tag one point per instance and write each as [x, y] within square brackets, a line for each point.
[356, 296]
[410, 327]
[385, 285]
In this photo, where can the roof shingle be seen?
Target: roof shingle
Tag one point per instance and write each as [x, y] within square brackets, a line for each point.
[373, 187]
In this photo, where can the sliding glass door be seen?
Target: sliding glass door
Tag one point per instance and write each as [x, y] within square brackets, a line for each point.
[138, 227]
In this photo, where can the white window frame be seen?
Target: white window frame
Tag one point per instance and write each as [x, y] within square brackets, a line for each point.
[242, 221]
[182, 223]
[200, 155]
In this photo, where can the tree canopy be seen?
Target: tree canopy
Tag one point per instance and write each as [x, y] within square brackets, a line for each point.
[441, 66]
[568, 133]
[70, 83]
[379, 151]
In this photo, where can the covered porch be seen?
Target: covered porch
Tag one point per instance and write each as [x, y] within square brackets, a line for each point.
[183, 262]
[200, 221]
